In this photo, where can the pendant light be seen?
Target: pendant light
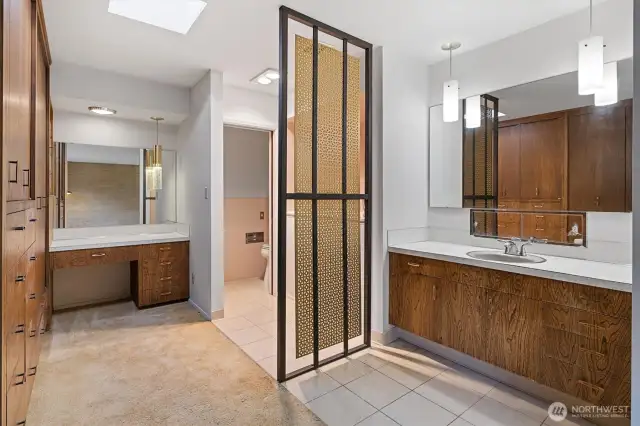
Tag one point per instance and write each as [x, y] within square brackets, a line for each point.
[608, 95]
[450, 97]
[154, 167]
[472, 114]
[590, 61]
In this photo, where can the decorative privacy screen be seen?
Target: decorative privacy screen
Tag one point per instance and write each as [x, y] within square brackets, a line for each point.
[480, 161]
[329, 217]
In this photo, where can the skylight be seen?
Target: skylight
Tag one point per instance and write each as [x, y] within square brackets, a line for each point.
[172, 15]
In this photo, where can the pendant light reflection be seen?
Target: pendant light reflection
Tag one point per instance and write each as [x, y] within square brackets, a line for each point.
[473, 114]
[608, 95]
[450, 92]
[153, 161]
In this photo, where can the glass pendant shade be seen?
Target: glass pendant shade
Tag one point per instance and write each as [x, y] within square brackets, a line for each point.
[150, 178]
[473, 114]
[609, 93]
[450, 101]
[157, 178]
[590, 65]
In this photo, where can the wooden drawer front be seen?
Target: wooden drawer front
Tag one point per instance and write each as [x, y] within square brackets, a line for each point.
[167, 252]
[31, 217]
[16, 230]
[16, 404]
[511, 205]
[417, 265]
[541, 205]
[103, 256]
[164, 281]
[467, 275]
[592, 299]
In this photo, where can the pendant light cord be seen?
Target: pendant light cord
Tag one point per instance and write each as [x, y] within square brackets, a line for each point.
[450, 63]
[590, 17]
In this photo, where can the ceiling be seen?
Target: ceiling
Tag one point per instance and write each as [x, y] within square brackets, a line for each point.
[240, 37]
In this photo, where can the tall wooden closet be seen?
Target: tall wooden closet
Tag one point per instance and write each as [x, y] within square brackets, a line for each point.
[26, 135]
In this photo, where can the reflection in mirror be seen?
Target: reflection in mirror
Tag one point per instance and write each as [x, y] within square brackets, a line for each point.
[105, 186]
[550, 146]
[550, 227]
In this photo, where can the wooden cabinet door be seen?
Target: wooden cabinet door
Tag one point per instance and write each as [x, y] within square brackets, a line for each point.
[542, 157]
[410, 304]
[509, 162]
[597, 159]
[512, 324]
[17, 93]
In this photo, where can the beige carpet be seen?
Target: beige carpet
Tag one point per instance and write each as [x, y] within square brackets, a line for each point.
[115, 365]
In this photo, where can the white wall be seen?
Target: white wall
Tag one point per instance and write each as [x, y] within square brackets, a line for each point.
[199, 183]
[541, 52]
[403, 114]
[78, 128]
[246, 163]
[246, 108]
[74, 86]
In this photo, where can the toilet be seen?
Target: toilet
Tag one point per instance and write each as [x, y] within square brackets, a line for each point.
[266, 252]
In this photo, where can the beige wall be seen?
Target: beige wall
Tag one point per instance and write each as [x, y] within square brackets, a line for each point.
[242, 215]
[102, 195]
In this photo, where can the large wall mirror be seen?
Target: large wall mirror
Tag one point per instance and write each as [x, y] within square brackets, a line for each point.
[540, 148]
[112, 186]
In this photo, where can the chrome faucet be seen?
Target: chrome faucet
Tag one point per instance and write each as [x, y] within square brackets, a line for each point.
[511, 246]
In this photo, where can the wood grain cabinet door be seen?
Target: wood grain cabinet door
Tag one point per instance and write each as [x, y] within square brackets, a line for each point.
[542, 158]
[509, 162]
[597, 160]
[411, 304]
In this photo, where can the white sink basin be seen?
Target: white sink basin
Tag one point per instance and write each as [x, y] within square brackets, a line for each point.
[496, 256]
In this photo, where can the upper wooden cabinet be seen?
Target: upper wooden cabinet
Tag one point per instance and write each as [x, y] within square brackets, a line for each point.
[597, 158]
[16, 70]
[509, 162]
[542, 153]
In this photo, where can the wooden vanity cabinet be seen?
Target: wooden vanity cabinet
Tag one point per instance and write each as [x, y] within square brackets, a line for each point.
[570, 337]
[163, 275]
[597, 158]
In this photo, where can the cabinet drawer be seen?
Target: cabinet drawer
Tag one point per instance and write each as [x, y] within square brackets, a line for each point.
[16, 404]
[103, 256]
[541, 205]
[16, 227]
[167, 252]
[403, 264]
[511, 205]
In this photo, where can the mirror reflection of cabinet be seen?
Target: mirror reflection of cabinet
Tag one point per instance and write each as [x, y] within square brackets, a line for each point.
[509, 162]
[599, 139]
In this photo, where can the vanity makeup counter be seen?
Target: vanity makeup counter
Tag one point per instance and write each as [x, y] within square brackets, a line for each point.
[598, 274]
[158, 258]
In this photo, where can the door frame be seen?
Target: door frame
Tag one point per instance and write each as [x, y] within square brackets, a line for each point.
[286, 14]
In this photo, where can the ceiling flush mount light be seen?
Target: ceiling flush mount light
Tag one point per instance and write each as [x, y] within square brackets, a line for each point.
[102, 110]
[590, 61]
[473, 114]
[172, 15]
[608, 95]
[450, 89]
[266, 77]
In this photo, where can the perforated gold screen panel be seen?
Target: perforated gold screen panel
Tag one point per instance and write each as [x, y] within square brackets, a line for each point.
[330, 220]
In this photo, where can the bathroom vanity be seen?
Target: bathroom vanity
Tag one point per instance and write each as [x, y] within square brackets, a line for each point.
[564, 326]
[158, 262]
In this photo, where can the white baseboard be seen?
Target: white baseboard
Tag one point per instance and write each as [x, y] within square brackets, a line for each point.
[384, 338]
[199, 309]
[215, 315]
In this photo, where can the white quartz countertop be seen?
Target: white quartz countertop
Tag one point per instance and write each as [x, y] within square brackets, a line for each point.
[103, 241]
[598, 274]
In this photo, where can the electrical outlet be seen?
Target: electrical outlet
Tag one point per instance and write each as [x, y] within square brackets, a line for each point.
[193, 278]
[261, 215]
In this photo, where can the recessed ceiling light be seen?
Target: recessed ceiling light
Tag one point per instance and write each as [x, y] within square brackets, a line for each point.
[272, 74]
[172, 15]
[102, 110]
[266, 77]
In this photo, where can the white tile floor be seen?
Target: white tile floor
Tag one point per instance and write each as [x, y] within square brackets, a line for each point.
[397, 384]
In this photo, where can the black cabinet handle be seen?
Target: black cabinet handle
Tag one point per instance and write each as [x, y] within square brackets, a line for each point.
[33, 371]
[33, 219]
[19, 228]
[19, 329]
[20, 278]
[32, 296]
[32, 333]
[13, 165]
[21, 423]
[22, 379]
[33, 258]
